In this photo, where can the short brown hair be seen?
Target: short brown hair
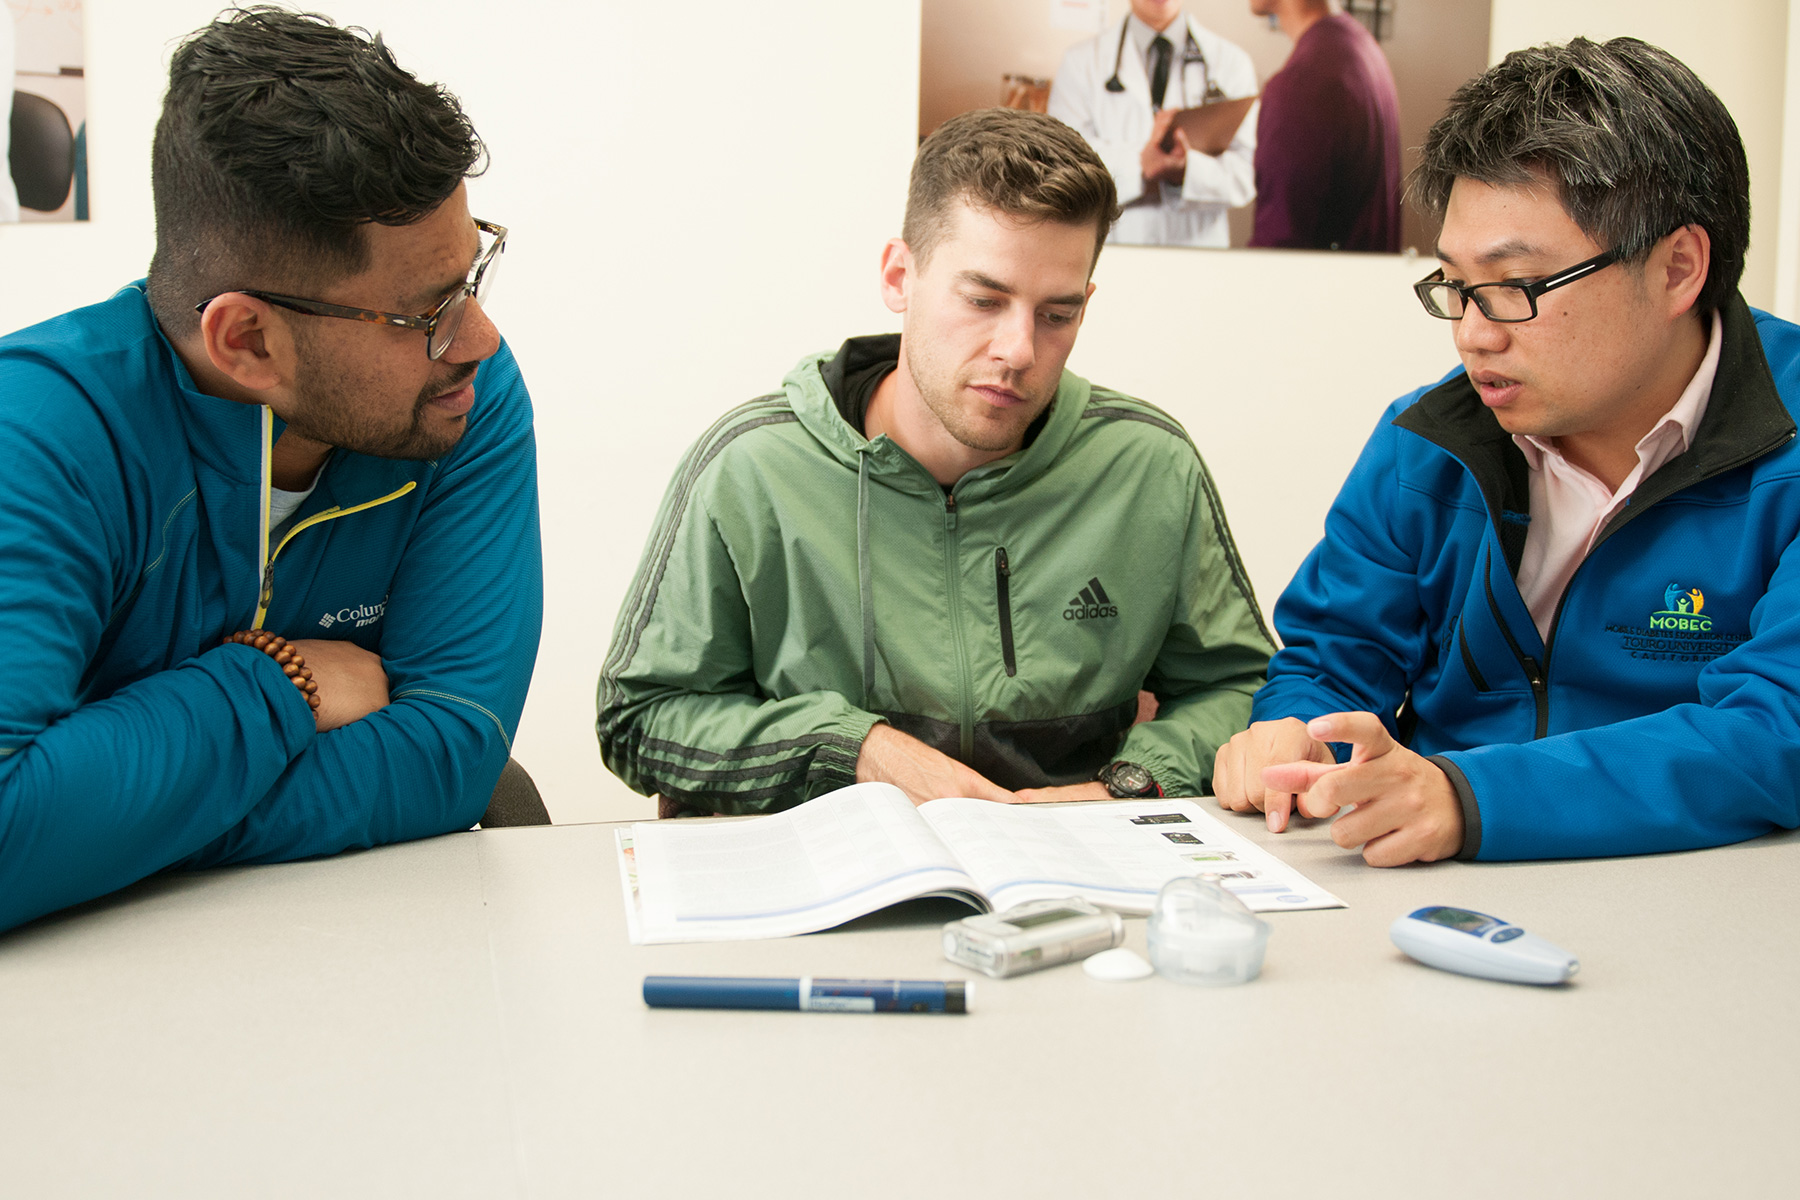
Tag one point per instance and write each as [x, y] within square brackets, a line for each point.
[1023, 164]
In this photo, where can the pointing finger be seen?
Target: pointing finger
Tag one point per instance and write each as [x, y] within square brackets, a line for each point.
[1362, 730]
[1296, 776]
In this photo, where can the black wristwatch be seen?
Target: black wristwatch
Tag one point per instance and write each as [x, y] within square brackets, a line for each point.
[1128, 781]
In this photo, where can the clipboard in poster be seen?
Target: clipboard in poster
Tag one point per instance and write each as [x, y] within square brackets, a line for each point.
[1210, 127]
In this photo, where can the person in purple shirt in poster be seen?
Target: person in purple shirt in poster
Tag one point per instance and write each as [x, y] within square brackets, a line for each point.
[1328, 140]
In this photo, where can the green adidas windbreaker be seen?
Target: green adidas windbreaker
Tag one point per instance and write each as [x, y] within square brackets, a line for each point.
[802, 583]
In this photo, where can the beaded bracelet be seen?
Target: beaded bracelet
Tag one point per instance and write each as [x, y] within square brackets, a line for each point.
[279, 649]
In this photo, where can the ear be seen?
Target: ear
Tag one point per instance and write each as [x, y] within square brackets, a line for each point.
[896, 274]
[1679, 267]
[244, 340]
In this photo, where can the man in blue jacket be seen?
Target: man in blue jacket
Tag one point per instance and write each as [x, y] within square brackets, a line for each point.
[1556, 612]
[218, 452]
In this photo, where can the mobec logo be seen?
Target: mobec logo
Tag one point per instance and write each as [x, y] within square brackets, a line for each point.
[1682, 630]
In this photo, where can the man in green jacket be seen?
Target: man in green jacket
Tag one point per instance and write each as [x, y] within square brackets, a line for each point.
[938, 559]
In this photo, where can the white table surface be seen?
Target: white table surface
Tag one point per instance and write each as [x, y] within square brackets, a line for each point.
[461, 1017]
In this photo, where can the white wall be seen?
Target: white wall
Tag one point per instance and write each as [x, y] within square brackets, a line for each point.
[1739, 47]
[679, 241]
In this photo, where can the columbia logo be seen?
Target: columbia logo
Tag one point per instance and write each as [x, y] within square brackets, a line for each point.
[1091, 604]
[358, 617]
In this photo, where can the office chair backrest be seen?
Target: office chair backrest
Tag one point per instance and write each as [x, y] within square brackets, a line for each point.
[42, 156]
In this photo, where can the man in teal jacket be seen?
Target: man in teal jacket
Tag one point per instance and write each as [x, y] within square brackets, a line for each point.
[940, 560]
[213, 454]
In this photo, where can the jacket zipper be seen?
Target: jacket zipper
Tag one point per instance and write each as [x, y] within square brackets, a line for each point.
[1534, 673]
[1003, 590]
[954, 588]
[265, 592]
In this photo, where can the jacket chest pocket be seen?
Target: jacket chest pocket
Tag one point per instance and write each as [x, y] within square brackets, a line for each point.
[1486, 647]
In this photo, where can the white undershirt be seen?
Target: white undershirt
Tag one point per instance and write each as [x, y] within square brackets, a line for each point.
[283, 505]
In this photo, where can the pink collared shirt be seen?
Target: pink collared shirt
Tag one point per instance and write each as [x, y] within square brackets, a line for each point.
[1569, 506]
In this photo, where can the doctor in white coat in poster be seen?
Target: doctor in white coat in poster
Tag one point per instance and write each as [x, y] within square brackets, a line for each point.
[1104, 91]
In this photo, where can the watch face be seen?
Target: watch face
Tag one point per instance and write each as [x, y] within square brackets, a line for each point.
[1129, 779]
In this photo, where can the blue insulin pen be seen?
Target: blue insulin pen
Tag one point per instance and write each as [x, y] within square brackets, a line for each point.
[808, 994]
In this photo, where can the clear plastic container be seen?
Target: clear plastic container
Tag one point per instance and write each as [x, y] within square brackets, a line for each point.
[1201, 933]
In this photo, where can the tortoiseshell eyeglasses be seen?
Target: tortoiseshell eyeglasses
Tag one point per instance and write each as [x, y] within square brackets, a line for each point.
[439, 325]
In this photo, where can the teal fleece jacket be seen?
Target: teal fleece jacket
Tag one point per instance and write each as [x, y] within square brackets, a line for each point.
[130, 525]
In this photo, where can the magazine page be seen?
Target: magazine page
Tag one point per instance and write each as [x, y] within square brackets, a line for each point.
[1116, 853]
[825, 862]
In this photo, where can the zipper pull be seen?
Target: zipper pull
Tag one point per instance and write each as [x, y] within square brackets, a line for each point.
[1001, 564]
[1534, 673]
[949, 511]
[268, 585]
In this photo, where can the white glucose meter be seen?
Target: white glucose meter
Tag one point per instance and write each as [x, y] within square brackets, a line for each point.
[1472, 943]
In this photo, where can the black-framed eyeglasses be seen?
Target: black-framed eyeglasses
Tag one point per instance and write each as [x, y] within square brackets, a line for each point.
[439, 325]
[1508, 302]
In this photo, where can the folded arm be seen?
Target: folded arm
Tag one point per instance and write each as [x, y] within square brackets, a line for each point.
[95, 795]
[458, 642]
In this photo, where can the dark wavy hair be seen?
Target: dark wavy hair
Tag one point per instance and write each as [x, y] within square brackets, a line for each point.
[1636, 145]
[1024, 164]
[281, 136]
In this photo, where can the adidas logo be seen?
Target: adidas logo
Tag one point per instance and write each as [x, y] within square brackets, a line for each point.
[1092, 604]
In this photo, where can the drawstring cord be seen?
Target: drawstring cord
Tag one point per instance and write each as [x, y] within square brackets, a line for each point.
[865, 587]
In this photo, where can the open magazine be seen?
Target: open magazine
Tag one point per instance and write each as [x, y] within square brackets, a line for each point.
[862, 848]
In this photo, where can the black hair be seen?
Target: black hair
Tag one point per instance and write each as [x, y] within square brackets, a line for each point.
[1636, 145]
[281, 136]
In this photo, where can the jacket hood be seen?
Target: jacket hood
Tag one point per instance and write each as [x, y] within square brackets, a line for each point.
[807, 391]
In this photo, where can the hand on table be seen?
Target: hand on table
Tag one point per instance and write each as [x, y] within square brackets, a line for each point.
[1052, 795]
[352, 682]
[1238, 767]
[889, 756]
[1399, 807]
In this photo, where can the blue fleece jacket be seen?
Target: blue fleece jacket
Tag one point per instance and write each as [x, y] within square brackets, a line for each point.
[1663, 712]
[131, 528]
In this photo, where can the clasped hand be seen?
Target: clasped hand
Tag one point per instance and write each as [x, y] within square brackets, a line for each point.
[1164, 156]
[1395, 804]
[352, 682]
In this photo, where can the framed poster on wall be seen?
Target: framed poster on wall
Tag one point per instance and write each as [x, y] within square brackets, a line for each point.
[43, 111]
[1311, 110]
